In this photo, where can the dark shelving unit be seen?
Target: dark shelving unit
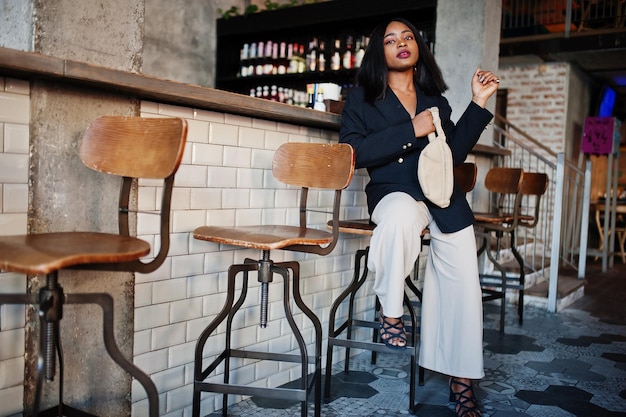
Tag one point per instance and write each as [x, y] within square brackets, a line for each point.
[326, 21]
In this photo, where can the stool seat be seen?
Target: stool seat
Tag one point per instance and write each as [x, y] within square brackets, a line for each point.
[264, 237]
[494, 218]
[47, 252]
[356, 227]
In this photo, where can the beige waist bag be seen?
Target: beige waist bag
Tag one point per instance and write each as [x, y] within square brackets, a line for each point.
[434, 168]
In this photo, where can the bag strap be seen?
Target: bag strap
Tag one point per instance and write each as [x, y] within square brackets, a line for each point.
[438, 133]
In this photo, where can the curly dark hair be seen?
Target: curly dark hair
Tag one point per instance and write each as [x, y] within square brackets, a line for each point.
[372, 75]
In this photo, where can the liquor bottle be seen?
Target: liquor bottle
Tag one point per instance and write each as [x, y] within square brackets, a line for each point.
[281, 95]
[292, 51]
[268, 65]
[311, 56]
[274, 58]
[319, 101]
[243, 61]
[260, 61]
[321, 58]
[335, 61]
[360, 52]
[310, 91]
[283, 63]
[347, 58]
[301, 59]
[252, 60]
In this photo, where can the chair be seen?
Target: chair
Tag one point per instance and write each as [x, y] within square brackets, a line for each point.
[505, 185]
[465, 177]
[129, 147]
[305, 165]
[620, 229]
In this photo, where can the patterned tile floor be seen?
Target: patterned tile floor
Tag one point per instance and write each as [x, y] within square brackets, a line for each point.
[555, 365]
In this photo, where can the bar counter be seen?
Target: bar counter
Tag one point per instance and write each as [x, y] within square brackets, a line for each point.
[21, 64]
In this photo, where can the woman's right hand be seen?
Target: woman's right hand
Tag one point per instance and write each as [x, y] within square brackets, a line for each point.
[423, 124]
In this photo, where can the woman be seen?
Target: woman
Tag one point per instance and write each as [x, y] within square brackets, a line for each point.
[385, 119]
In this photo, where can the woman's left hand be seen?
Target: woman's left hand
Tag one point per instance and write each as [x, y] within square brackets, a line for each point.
[484, 84]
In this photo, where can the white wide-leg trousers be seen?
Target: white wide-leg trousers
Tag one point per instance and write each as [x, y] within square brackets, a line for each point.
[451, 315]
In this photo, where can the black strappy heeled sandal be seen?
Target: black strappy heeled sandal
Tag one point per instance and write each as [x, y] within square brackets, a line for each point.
[393, 332]
[465, 400]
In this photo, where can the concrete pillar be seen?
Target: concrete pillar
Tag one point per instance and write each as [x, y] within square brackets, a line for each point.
[16, 24]
[467, 37]
[64, 195]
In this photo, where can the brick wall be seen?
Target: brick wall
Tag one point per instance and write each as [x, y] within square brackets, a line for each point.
[537, 100]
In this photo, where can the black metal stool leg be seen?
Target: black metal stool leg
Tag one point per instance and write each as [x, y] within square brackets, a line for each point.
[414, 346]
[317, 377]
[409, 283]
[333, 332]
[105, 301]
[358, 279]
[522, 280]
[503, 284]
[200, 373]
[51, 299]
[360, 254]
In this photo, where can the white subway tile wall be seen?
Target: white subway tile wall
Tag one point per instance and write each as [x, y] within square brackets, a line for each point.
[226, 179]
[14, 161]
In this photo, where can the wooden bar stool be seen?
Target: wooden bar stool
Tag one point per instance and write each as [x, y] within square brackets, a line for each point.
[336, 336]
[129, 147]
[305, 165]
[505, 185]
[533, 188]
[465, 178]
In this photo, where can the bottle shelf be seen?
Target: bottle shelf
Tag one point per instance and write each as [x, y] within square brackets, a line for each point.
[323, 22]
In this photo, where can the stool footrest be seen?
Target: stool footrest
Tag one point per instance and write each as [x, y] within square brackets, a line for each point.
[68, 411]
[371, 346]
[265, 392]
[281, 357]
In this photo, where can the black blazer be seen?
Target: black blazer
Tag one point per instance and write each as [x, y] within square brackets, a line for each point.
[384, 142]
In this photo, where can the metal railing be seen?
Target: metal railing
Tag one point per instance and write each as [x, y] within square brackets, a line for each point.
[560, 235]
[536, 17]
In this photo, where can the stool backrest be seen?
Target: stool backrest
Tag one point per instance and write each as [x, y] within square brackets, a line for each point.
[535, 185]
[465, 176]
[132, 148]
[315, 165]
[505, 184]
